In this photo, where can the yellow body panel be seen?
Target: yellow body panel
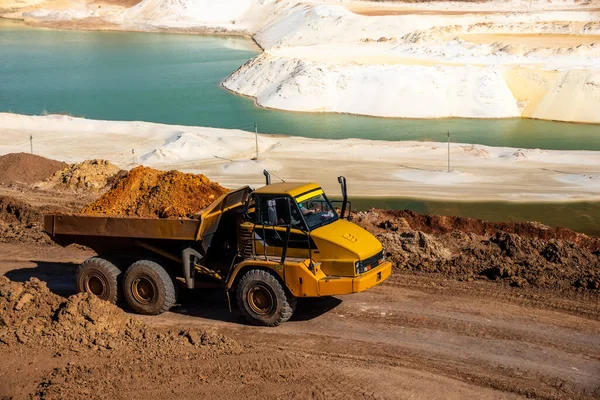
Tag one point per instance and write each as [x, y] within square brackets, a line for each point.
[341, 244]
[301, 281]
[330, 286]
[258, 264]
[292, 189]
[344, 239]
[309, 195]
[275, 251]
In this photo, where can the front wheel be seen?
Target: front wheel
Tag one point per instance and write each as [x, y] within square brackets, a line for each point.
[262, 299]
[148, 288]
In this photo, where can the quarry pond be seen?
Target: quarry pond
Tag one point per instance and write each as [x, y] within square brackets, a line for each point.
[175, 79]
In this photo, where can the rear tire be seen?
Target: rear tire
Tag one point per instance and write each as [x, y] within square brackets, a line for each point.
[148, 288]
[99, 277]
[263, 300]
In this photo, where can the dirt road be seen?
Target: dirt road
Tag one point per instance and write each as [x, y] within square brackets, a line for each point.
[417, 336]
[473, 310]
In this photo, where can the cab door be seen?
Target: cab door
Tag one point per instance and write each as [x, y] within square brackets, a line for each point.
[279, 225]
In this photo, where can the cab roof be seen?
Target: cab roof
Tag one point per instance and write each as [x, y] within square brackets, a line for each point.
[293, 189]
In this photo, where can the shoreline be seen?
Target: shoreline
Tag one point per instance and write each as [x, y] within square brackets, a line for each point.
[58, 26]
[422, 62]
[255, 102]
[484, 81]
[374, 168]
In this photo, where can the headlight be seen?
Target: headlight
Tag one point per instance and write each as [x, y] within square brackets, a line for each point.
[359, 268]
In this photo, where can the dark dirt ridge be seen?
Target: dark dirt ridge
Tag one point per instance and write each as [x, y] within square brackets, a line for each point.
[31, 314]
[24, 168]
[439, 224]
[519, 254]
[104, 337]
[21, 222]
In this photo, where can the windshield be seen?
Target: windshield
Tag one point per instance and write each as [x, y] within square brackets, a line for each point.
[317, 210]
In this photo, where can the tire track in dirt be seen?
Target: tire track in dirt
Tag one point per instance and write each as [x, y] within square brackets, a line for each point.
[475, 330]
[585, 304]
[485, 375]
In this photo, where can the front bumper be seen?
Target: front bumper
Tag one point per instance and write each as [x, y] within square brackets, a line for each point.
[329, 285]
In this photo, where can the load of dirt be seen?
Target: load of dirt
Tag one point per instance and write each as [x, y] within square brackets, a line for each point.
[147, 192]
[30, 314]
[89, 175]
[519, 254]
[20, 222]
[23, 168]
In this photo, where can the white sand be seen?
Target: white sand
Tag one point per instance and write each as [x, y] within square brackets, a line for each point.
[420, 63]
[373, 168]
[493, 59]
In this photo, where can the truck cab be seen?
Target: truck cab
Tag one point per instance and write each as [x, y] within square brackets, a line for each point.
[294, 229]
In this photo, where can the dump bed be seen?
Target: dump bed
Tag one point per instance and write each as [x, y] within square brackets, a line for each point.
[90, 230]
[123, 227]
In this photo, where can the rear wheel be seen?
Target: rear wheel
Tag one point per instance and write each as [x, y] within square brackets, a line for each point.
[148, 288]
[263, 300]
[99, 277]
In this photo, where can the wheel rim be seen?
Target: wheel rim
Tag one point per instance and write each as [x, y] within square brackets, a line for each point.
[260, 300]
[96, 284]
[143, 290]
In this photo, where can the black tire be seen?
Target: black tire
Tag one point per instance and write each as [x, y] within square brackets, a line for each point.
[99, 277]
[148, 288]
[262, 299]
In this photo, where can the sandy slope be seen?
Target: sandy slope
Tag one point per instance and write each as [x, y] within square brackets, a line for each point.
[490, 59]
[409, 169]
[400, 61]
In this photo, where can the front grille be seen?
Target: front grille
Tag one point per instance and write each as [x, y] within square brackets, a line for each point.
[369, 263]
[373, 260]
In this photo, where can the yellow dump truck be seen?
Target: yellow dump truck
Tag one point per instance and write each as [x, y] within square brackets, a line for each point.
[267, 247]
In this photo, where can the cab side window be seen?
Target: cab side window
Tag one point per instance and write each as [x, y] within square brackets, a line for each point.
[273, 211]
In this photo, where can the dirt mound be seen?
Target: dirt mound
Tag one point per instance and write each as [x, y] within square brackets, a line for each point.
[26, 168]
[13, 210]
[25, 309]
[439, 224]
[89, 175]
[462, 249]
[147, 192]
[31, 314]
[20, 222]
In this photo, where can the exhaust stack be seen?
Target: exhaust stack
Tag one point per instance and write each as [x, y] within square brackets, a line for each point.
[342, 182]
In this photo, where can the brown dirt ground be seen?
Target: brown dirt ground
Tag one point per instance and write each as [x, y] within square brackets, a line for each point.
[519, 254]
[441, 326]
[147, 192]
[23, 168]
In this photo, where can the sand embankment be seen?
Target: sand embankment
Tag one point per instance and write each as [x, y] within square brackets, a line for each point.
[373, 168]
[411, 62]
[488, 59]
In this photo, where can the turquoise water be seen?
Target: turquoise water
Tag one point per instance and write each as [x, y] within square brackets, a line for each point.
[174, 79]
